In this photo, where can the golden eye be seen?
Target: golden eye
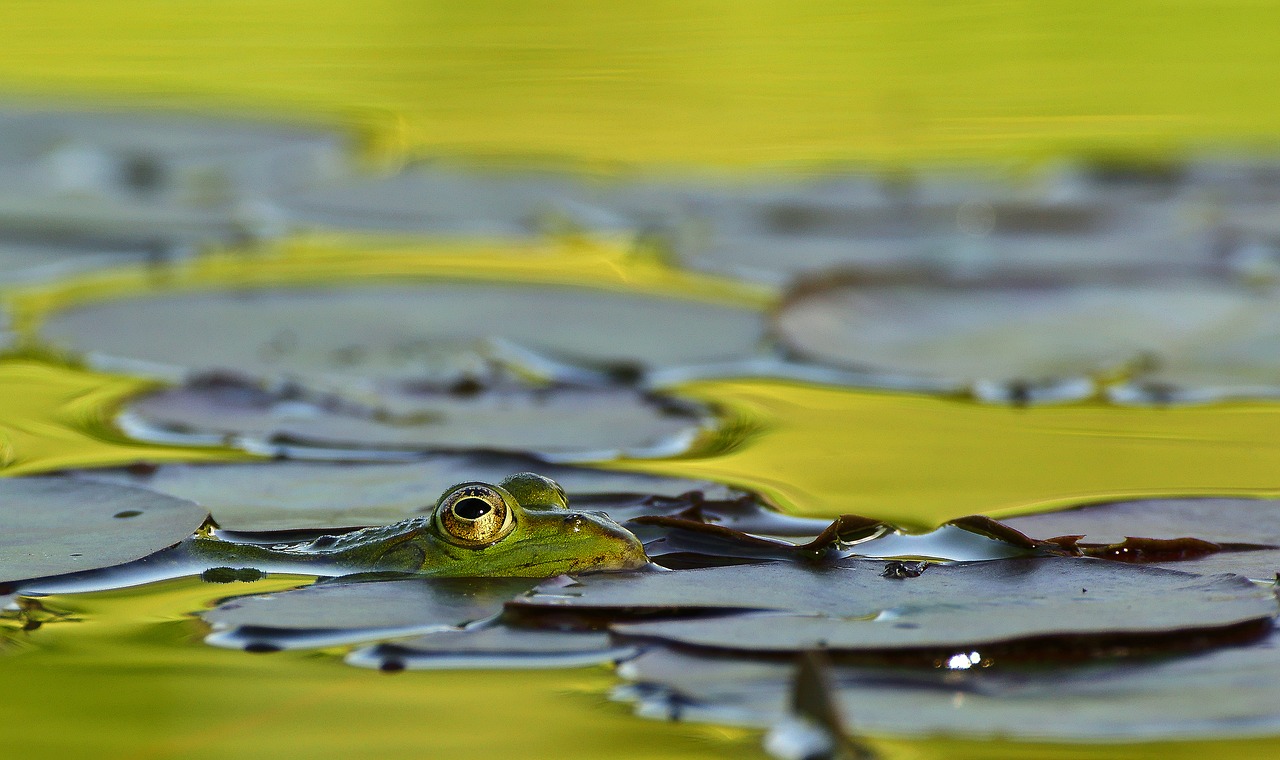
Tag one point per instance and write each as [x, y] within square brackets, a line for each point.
[474, 514]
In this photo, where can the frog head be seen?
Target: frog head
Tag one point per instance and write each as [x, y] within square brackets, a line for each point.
[524, 527]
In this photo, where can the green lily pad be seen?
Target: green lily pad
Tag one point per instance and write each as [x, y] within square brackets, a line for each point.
[561, 421]
[54, 526]
[294, 495]
[363, 341]
[492, 647]
[1222, 521]
[1194, 336]
[1227, 692]
[850, 606]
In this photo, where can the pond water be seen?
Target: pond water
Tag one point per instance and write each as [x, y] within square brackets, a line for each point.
[306, 379]
[503, 261]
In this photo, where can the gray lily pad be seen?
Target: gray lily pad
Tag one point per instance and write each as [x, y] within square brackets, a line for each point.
[293, 495]
[401, 603]
[152, 182]
[329, 614]
[492, 647]
[1222, 521]
[1226, 692]
[349, 340]
[561, 421]
[29, 262]
[1197, 335]
[443, 198]
[850, 606]
[775, 228]
[53, 526]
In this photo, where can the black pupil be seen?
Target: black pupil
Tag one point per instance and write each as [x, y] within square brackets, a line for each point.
[471, 508]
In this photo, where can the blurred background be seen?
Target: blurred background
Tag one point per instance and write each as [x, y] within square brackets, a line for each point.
[746, 137]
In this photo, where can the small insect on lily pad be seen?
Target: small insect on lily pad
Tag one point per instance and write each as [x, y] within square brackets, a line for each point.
[296, 495]
[56, 525]
[1193, 335]
[849, 606]
[326, 614]
[1233, 691]
[348, 340]
[558, 421]
[492, 647]
[1222, 534]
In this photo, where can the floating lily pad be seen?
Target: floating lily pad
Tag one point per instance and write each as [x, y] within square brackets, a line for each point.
[562, 421]
[492, 647]
[1192, 334]
[53, 526]
[328, 614]
[1222, 521]
[401, 603]
[439, 198]
[1226, 692]
[30, 262]
[349, 339]
[292, 495]
[775, 228]
[850, 606]
[152, 182]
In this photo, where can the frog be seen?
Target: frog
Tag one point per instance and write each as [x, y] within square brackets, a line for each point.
[520, 527]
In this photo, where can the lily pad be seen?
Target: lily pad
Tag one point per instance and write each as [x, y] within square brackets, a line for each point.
[350, 340]
[492, 647]
[153, 182]
[1197, 335]
[31, 262]
[440, 198]
[850, 606]
[52, 526]
[325, 614]
[1222, 521]
[1226, 692]
[293, 495]
[560, 421]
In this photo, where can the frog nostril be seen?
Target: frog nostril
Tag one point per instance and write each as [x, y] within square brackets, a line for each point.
[471, 508]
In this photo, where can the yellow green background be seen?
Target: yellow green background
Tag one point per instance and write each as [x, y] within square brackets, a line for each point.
[728, 83]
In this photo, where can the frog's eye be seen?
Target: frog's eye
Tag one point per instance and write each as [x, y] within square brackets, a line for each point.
[474, 514]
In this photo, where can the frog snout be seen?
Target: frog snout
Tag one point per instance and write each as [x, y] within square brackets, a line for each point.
[630, 552]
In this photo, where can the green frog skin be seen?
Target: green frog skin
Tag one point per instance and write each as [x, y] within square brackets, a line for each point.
[521, 527]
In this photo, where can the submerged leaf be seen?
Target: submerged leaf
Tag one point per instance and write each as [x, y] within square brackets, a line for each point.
[849, 606]
[1231, 525]
[292, 495]
[52, 526]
